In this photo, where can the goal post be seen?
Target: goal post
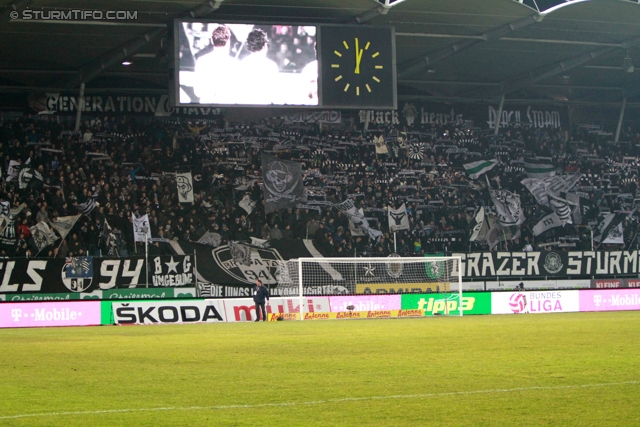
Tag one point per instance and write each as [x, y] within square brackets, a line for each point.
[327, 277]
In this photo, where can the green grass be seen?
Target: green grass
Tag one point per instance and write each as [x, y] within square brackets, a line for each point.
[402, 369]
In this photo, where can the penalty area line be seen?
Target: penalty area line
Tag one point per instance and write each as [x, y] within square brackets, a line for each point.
[313, 402]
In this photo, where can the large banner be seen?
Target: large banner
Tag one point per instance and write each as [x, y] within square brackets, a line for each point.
[60, 276]
[549, 264]
[155, 312]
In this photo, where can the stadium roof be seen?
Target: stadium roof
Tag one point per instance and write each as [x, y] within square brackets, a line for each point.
[460, 50]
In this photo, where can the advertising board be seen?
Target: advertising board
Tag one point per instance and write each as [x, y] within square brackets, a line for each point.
[607, 283]
[538, 284]
[173, 312]
[364, 303]
[534, 302]
[435, 304]
[633, 283]
[243, 309]
[610, 300]
[60, 313]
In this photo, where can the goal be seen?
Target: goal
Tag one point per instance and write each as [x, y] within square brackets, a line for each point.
[321, 277]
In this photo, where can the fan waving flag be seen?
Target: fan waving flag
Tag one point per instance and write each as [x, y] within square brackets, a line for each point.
[43, 236]
[507, 206]
[398, 219]
[283, 186]
[608, 224]
[349, 209]
[476, 169]
[539, 168]
[185, 187]
[64, 224]
[88, 206]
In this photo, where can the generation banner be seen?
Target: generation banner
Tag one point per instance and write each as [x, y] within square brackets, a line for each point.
[438, 304]
[549, 264]
[540, 302]
[610, 300]
[61, 313]
[57, 275]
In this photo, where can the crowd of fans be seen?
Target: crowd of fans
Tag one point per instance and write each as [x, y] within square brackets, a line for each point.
[127, 166]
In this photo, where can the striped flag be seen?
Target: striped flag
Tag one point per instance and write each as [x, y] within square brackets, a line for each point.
[538, 168]
[609, 222]
[88, 206]
[476, 169]
[562, 209]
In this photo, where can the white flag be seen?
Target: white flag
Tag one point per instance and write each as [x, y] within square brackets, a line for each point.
[475, 169]
[541, 187]
[481, 228]
[64, 224]
[507, 206]
[247, 204]
[211, 239]
[355, 231]
[398, 219]
[141, 228]
[357, 217]
[616, 235]
[185, 187]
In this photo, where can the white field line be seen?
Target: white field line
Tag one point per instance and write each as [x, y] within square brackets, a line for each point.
[313, 402]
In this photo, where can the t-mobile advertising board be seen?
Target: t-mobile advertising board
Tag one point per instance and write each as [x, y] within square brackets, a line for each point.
[534, 302]
[365, 303]
[62, 313]
[610, 300]
[434, 304]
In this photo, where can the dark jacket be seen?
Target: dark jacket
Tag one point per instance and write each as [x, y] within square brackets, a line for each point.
[260, 293]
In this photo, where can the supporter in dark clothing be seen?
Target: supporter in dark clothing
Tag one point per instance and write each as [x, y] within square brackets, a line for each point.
[260, 297]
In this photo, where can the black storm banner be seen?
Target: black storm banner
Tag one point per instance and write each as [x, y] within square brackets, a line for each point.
[483, 265]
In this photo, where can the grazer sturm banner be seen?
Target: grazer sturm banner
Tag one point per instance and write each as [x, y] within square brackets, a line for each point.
[610, 300]
[61, 313]
[536, 302]
[516, 265]
[157, 312]
[435, 304]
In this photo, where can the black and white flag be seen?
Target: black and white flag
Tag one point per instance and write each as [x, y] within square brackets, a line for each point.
[547, 223]
[247, 204]
[185, 187]
[562, 208]
[283, 186]
[64, 224]
[398, 219]
[542, 187]
[87, 206]
[211, 239]
[480, 228]
[507, 206]
[28, 177]
[42, 235]
[348, 208]
[609, 223]
[141, 229]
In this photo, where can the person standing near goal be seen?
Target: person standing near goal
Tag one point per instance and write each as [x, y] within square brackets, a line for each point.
[260, 297]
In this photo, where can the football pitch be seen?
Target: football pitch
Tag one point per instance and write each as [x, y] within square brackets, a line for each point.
[525, 370]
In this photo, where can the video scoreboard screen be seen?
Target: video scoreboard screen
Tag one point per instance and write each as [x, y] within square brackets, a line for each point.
[252, 64]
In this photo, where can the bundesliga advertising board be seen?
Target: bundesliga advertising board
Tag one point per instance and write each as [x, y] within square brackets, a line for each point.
[534, 302]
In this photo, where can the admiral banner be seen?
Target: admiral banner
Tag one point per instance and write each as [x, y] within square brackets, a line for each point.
[89, 274]
[549, 264]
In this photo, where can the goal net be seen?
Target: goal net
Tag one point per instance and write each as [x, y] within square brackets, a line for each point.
[361, 277]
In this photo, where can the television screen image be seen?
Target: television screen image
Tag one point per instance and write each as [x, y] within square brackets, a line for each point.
[246, 64]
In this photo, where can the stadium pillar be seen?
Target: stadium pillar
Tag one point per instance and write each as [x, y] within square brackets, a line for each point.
[622, 108]
[80, 106]
[499, 115]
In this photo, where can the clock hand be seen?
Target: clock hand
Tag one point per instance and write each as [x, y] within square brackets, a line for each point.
[359, 53]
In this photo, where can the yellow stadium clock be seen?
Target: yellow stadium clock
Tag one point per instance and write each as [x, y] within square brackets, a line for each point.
[358, 67]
